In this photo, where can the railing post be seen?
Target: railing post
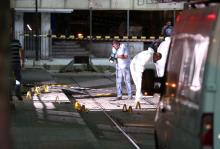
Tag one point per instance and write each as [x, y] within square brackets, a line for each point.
[36, 31]
[50, 43]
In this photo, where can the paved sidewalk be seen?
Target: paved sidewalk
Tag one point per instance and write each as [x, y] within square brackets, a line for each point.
[57, 128]
[43, 124]
[51, 125]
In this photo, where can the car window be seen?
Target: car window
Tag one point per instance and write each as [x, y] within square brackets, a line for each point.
[186, 67]
[192, 66]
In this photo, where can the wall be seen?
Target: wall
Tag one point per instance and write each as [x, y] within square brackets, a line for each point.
[98, 4]
[103, 49]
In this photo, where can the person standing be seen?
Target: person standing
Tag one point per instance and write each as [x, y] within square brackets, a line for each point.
[17, 62]
[120, 52]
[142, 60]
[164, 49]
[167, 29]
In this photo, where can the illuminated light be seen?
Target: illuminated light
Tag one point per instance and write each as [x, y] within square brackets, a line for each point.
[98, 37]
[107, 37]
[161, 37]
[29, 27]
[145, 93]
[178, 18]
[71, 36]
[62, 36]
[211, 16]
[172, 95]
[219, 136]
[80, 35]
[134, 37]
[208, 126]
[54, 36]
[167, 83]
[173, 85]
[17, 82]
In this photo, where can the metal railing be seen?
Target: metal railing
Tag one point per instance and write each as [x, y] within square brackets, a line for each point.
[43, 45]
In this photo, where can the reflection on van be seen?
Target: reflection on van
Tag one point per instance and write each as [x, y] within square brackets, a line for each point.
[188, 115]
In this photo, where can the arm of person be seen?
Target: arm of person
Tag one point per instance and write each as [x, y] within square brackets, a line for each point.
[123, 56]
[22, 57]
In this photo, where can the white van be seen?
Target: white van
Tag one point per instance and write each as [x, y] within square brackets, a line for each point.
[188, 114]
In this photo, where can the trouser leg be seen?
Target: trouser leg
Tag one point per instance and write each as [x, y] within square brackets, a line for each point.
[138, 85]
[127, 80]
[119, 82]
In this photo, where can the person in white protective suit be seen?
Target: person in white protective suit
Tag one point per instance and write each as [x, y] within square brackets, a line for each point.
[164, 49]
[142, 60]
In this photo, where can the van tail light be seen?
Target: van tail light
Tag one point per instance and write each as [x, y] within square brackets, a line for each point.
[211, 16]
[207, 131]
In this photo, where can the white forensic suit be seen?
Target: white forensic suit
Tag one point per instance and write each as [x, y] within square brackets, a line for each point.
[163, 49]
[138, 64]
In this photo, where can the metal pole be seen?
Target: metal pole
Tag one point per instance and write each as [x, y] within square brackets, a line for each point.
[128, 22]
[36, 31]
[90, 22]
[90, 28]
[128, 26]
[174, 17]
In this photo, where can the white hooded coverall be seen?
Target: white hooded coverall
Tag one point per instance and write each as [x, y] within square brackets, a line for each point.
[163, 49]
[138, 64]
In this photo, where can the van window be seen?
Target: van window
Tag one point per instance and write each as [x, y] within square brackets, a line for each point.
[185, 72]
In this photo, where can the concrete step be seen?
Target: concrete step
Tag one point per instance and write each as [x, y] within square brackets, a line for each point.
[67, 50]
[71, 52]
[68, 43]
[66, 56]
[66, 46]
[69, 55]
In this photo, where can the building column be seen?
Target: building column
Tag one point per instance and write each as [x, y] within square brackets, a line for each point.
[19, 27]
[45, 30]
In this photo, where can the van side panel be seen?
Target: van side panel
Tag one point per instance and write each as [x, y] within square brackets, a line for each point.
[216, 47]
[182, 100]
